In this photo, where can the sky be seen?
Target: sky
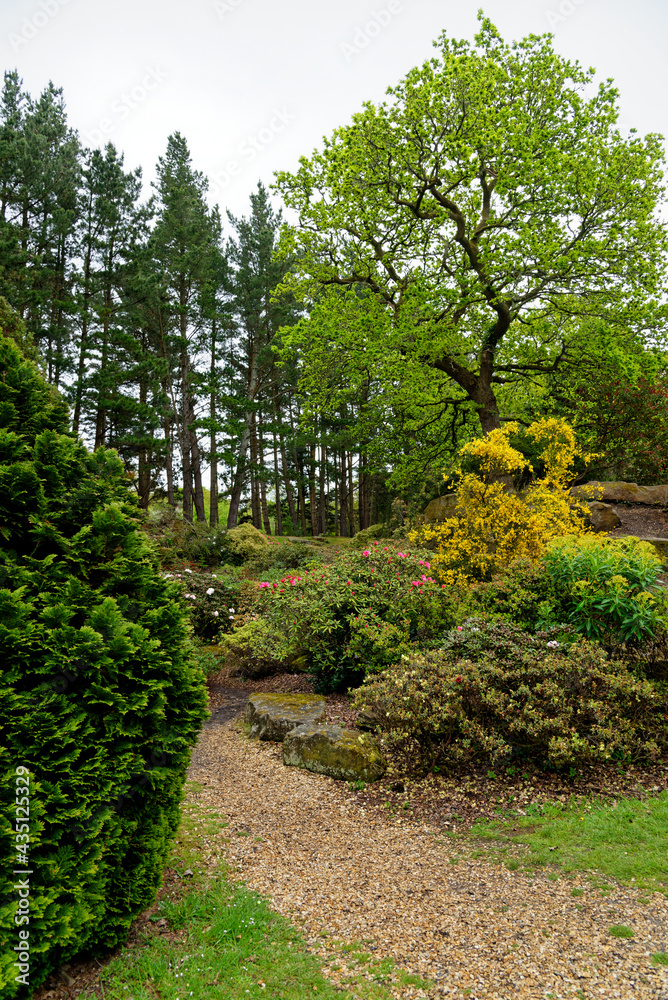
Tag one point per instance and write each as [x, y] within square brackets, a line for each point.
[255, 84]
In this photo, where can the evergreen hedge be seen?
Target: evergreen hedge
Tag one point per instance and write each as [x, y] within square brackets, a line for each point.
[100, 700]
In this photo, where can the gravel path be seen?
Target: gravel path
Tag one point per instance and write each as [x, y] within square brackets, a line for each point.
[477, 929]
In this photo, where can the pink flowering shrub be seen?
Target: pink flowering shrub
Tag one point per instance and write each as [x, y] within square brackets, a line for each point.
[361, 613]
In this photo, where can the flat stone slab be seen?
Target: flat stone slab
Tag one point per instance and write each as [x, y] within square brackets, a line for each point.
[623, 493]
[339, 753]
[271, 716]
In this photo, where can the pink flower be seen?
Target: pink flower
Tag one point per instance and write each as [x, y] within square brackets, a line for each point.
[420, 562]
[266, 585]
[415, 583]
[366, 553]
[428, 565]
[460, 628]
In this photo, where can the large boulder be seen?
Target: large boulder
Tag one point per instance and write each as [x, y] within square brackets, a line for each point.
[339, 753]
[623, 493]
[272, 716]
[603, 517]
[441, 509]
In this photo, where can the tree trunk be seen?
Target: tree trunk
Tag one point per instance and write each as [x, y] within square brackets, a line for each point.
[322, 512]
[286, 479]
[343, 497]
[213, 497]
[351, 495]
[240, 475]
[196, 465]
[169, 458]
[313, 502]
[262, 480]
[277, 486]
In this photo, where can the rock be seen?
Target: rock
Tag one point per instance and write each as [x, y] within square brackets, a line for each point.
[440, 509]
[339, 753]
[623, 493]
[602, 517]
[272, 716]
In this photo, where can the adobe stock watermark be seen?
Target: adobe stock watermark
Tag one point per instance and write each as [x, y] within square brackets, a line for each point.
[250, 148]
[562, 12]
[21, 886]
[31, 27]
[223, 7]
[364, 34]
[122, 108]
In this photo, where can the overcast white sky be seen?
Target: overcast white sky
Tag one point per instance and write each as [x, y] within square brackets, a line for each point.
[257, 83]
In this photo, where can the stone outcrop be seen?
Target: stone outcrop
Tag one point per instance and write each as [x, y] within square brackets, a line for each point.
[602, 517]
[272, 716]
[339, 753]
[440, 509]
[623, 493]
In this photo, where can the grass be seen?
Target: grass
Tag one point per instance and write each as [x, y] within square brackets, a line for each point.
[625, 840]
[621, 931]
[221, 940]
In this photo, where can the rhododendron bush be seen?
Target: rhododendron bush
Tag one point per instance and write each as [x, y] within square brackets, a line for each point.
[361, 613]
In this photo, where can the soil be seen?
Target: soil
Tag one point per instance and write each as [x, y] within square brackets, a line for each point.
[641, 520]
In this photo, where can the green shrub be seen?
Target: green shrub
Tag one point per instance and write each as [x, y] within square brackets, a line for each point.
[496, 693]
[363, 538]
[99, 697]
[179, 541]
[341, 613]
[259, 649]
[212, 600]
[245, 544]
[607, 588]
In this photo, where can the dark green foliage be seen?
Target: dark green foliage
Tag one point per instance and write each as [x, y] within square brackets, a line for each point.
[179, 540]
[497, 693]
[99, 697]
[212, 599]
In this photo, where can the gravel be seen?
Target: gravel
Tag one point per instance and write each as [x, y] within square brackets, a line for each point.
[344, 871]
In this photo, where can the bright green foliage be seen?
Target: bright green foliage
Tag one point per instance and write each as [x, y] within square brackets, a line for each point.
[245, 543]
[361, 613]
[98, 696]
[607, 587]
[367, 535]
[490, 195]
[496, 693]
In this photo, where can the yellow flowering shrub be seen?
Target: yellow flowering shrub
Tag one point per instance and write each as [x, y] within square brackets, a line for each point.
[494, 524]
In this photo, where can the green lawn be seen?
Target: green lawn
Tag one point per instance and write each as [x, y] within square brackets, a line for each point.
[626, 840]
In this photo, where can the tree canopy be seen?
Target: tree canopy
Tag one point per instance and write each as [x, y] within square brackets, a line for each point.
[489, 195]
